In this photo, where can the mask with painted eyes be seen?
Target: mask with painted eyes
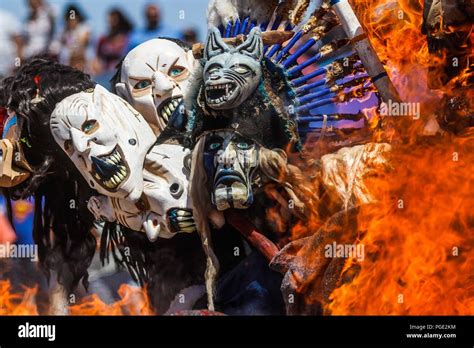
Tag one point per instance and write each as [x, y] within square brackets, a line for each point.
[106, 139]
[166, 175]
[164, 208]
[154, 79]
[230, 161]
[230, 74]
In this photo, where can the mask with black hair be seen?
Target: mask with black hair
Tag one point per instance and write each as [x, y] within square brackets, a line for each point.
[60, 193]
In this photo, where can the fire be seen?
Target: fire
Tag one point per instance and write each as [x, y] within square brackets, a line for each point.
[419, 237]
[133, 301]
[394, 29]
[12, 303]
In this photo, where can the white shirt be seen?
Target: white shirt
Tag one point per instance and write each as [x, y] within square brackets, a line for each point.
[38, 33]
[9, 28]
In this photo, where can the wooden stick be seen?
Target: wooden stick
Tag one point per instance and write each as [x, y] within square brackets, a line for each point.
[268, 37]
[364, 49]
[251, 234]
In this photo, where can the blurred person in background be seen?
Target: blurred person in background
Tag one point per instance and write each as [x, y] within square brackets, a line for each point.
[112, 46]
[39, 29]
[153, 29]
[10, 39]
[190, 36]
[71, 45]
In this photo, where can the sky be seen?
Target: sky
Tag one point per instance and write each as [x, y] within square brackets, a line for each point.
[194, 12]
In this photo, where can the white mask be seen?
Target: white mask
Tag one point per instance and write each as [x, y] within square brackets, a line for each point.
[106, 139]
[154, 78]
[165, 206]
[166, 186]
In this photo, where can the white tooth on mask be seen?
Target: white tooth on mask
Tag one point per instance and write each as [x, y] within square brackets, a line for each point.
[186, 224]
[188, 229]
[152, 230]
[219, 59]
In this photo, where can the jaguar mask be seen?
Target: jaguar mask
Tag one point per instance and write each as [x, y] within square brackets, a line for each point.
[230, 74]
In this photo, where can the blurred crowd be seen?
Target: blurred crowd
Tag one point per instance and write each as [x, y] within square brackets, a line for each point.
[75, 44]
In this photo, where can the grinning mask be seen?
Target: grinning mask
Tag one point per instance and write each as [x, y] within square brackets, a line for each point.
[230, 161]
[153, 79]
[164, 208]
[166, 175]
[106, 139]
[230, 74]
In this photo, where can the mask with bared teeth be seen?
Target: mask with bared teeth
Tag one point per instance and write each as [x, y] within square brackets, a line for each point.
[153, 78]
[106, 139]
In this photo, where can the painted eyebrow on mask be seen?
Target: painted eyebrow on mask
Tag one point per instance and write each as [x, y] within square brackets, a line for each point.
[172, 65]
[139, 78]
[56, 124]
[152, 68]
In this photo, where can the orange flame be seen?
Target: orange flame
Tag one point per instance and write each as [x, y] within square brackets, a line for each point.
[133, 301]
[419, 240]
[12, 303]
[419, 237]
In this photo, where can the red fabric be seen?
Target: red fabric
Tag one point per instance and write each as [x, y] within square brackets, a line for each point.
[3, 117]
[37, 80]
